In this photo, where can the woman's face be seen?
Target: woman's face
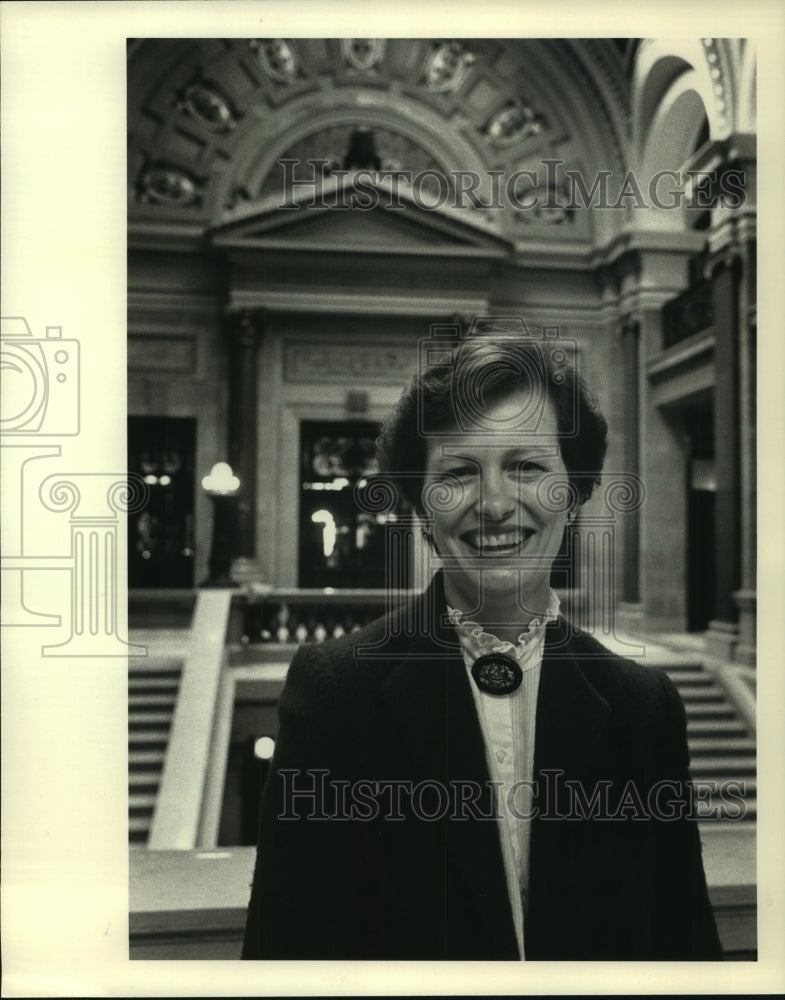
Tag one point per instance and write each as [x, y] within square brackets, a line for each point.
[489, 498]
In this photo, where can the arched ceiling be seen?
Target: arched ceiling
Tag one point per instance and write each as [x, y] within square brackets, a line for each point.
[210, 120]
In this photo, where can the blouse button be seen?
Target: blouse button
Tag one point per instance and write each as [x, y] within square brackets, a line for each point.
[501, 756]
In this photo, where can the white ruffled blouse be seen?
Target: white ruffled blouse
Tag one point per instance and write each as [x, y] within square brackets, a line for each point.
[507, 723]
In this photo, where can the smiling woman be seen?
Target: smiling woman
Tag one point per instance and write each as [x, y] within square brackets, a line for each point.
[471, 776]
[497, 537]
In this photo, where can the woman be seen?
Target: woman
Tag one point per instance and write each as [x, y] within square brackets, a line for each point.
[470, 777]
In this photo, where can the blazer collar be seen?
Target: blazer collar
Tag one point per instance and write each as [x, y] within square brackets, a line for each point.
[428, 689]
[571, 714]
[428, 694]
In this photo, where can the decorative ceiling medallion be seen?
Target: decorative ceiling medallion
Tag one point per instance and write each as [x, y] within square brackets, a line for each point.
[363, 53]
[517, 120]
[277, 58]
[446, 66]
[207, 106]
[164, 185]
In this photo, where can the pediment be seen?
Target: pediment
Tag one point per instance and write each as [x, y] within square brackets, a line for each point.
[360, 215]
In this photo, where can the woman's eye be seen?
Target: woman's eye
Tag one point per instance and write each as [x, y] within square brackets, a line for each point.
[528, 468]
[461, 472]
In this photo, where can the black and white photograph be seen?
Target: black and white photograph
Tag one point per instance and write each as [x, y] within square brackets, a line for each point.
[402, 529]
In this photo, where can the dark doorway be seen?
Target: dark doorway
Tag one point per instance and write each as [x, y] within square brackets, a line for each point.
[340, 545]
[161, 537]
[701, 492]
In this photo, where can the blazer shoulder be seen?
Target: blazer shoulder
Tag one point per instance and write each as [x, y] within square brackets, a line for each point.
[337, 663]
[643, 694]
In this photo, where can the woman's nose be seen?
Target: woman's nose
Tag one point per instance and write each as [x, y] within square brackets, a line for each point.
[497, 497]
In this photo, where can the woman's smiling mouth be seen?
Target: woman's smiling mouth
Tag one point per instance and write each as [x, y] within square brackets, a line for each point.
[497, 542]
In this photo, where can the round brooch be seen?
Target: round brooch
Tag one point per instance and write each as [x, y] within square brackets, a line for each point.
[497, 674]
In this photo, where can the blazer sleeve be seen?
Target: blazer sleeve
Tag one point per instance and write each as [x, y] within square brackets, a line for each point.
[686, 928]
[293, 902]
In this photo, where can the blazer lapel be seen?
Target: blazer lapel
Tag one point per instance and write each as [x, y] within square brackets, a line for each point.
[571, 718]
[571, 715]
[429, 695]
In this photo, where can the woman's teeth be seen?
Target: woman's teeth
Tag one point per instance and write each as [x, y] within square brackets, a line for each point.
[490, 543]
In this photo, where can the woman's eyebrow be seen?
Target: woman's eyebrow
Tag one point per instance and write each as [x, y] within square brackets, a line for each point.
[443, 461]
[540, 450]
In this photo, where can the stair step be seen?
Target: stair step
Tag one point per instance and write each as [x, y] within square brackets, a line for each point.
[702, 692]
[153, 664]
[147, 740]
[147, 758]
[720, 727]
[144, 781]
[716, 765]
[719, 709]
[704, 696]
[140, 801]
[677, 666]
[155, 691]
[721, 744]
[139, 825]
[161, 700]
[688, 678]
[729, 811]
[150, 720]
[150, 676]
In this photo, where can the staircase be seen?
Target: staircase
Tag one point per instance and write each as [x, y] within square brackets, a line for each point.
[153, 686]
[722, 748]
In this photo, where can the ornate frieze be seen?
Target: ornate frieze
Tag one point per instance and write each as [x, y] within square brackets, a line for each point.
[446, 66]
[363, 53]
[516, 121]
[207, 106]
[277, 57]
[163, 184]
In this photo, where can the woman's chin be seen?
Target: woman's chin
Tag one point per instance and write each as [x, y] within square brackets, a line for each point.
[499, 583]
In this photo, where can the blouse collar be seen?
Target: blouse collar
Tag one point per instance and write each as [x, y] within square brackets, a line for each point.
[477, 642]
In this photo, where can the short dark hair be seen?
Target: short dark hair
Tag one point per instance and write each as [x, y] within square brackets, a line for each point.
[470, 374]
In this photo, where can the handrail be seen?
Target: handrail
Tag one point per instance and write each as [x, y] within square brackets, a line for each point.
[176, 818]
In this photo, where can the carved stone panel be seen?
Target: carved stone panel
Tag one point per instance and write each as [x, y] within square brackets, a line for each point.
[346, 363]
[161, 354]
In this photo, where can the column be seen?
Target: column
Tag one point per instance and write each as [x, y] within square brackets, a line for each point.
[630, 335]
[245, 332]
[745, 597]
[725, 273]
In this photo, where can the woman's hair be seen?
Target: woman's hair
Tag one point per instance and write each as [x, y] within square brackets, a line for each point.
[454, 393]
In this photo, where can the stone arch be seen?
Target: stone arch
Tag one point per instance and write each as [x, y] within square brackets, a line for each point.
[674, 105]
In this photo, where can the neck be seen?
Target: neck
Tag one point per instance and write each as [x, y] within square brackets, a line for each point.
[499, 614]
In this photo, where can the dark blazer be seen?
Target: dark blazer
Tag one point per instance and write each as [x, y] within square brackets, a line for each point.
[386, 849]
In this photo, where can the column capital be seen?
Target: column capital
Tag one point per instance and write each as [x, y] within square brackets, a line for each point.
[246, 326]
[727, 257]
